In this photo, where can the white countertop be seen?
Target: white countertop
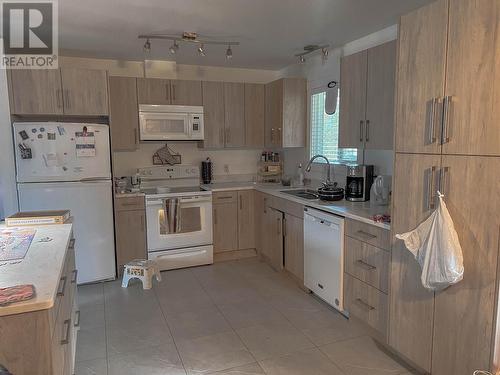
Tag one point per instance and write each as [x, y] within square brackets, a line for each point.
[42, 266]
[361, 211]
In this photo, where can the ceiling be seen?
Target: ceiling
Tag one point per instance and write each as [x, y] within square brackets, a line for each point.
[270, 31]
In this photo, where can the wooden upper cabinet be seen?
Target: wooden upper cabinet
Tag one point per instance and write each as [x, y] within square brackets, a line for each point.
[420, 78]
[411, 306]
[234, 114]
[123, 113]
[286, 112]
[254, 114]
[213, 114]
[380, 86]
[353, 73]
[185, 92]
[472, 76]
[85, 92]
[465, 312]
[153, 91]
[35, 92]
[246, 219]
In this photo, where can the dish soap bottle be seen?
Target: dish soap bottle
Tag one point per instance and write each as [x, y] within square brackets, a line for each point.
[300, 176]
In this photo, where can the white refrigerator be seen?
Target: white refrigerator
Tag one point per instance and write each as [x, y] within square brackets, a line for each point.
[67, 166]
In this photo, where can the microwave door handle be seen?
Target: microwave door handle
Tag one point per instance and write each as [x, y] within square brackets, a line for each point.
[189, 124]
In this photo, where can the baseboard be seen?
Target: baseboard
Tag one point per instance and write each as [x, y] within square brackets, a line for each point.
[234, 255]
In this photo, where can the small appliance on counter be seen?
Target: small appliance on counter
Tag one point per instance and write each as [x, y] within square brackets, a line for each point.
[206, 171]
[380, 190]
[358, 183]
[330, 192]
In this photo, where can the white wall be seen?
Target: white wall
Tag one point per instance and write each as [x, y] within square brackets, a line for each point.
[8, 192]
[318, 75]
[241, 164]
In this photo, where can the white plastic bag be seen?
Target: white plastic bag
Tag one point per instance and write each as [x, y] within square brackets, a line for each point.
[436, 247]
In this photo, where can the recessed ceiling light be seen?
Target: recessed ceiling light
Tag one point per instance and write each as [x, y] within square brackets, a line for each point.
[302, 59]
[147, 46]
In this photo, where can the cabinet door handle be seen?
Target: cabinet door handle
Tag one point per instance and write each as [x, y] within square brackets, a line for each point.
[167, 91]
[173, 93]
[361, 131]
[445, 138]
[59, 98]
[75, 275]
[444, 181]
[265, 205]
[367, 131]
[272, 135]
[221, 136]
[66, 97]
[284, 227]
[135, 137]
[228, 136]
[142, 223]
[278, 220]
[71, 243]
[361, 263]
[364, 305]
[279, 135]
[430, 189]
[62, 286]
[65, 340]
[241, 202]
[432, 130]
[77, 318]
[215, 216]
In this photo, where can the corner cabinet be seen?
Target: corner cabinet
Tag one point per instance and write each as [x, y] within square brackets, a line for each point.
[286, 113]
[367, 98]
[65, 91]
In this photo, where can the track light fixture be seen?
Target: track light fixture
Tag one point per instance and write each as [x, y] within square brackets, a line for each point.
[188, 37]
[174, 48]
[201, 50]
[312, 48]
[147, 46]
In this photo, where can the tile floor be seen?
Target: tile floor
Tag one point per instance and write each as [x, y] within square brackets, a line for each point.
[237, 317]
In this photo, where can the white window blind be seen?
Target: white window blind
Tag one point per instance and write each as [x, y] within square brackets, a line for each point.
[325, 132]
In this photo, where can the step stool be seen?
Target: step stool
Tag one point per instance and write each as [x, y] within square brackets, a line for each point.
[143, 270]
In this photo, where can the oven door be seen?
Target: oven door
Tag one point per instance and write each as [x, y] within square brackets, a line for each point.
[164, 126]
[178, 222]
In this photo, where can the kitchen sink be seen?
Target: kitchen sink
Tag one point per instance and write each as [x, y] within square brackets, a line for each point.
[302, 193]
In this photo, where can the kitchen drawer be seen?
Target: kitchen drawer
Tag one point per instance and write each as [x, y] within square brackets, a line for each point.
[225, 197]
[371, 234]
[367, 263]
[129, 203]
[366, 303]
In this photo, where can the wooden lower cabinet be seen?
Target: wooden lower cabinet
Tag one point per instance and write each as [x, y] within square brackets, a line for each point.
[225, 221]
[246, 219]
[274, 238]
[294, 245]
[130, 230]
[41, 342]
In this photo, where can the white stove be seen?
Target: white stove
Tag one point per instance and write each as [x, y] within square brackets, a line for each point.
[178, 216]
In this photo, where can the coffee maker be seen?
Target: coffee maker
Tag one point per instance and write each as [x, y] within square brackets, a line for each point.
[358, 182]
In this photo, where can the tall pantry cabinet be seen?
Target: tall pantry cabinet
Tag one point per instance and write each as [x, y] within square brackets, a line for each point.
[447, 139]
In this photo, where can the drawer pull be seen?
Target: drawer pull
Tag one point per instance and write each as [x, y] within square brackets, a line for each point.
[62, 286]
[71, 244]
[225, 197]
[65, 340]
[366, 234]
[75, 274]
[364, 305]
[77, 318]
[367, 266]
[129, 204]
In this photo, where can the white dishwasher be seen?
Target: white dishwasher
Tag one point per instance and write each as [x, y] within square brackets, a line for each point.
[324, 256]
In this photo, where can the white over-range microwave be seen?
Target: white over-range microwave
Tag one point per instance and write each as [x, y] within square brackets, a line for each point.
[171, 122]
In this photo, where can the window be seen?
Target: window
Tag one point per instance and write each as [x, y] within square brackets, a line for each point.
[325, 132]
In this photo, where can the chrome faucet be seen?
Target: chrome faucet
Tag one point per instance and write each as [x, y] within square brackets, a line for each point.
[308, 167]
